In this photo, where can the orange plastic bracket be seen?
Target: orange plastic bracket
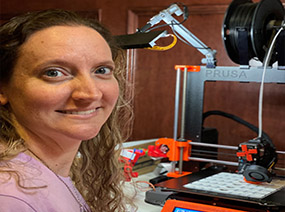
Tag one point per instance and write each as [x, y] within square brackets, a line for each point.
[176, 174]
[174, 148]
[189, 68]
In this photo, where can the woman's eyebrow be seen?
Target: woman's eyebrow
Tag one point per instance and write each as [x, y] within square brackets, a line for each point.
[55, 61]
[63, 62]
[108, 63]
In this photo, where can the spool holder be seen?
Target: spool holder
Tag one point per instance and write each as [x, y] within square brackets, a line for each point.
[259, 20]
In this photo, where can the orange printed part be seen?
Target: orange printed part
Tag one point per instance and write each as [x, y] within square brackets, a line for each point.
[188, 67]
[174, 148]
[252, 182]
[171, 204]
[176, 174]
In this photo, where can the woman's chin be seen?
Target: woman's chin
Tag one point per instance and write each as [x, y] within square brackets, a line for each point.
[88, 136]
[85, 135]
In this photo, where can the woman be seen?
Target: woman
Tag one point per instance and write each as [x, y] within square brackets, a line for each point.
[62, 112]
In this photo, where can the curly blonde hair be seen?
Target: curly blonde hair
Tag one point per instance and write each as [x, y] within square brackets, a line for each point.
[96, 171]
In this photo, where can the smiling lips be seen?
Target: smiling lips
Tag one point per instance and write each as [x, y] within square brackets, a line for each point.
[86, 112]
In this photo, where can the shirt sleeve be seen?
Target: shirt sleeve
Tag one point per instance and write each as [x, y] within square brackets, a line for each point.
[14, 204]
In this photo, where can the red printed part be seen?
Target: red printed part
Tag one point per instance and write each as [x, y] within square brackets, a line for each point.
[155, 151]
[174, 148]
[247, 152]
[128, 170]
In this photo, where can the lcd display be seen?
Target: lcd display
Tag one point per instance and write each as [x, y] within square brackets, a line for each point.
[184, 210]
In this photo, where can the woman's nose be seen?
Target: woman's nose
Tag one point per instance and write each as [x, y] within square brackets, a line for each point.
[86, 89]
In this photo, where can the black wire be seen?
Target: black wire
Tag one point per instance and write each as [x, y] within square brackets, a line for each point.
[237, 119]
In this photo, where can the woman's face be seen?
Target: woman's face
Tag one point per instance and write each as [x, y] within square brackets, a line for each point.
[62, 85]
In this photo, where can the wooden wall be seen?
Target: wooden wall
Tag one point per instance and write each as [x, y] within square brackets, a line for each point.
[153, 72]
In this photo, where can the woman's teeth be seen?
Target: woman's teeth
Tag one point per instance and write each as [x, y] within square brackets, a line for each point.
[80, 112]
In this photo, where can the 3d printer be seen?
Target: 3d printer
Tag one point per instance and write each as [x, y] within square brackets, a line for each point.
[249, 30]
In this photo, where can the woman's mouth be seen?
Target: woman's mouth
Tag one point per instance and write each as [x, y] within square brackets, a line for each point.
[83, 112]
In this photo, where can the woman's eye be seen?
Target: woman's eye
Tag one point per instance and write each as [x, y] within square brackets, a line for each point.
[103, 70]
[53, 73]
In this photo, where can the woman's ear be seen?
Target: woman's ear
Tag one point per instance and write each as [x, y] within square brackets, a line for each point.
[3, 97]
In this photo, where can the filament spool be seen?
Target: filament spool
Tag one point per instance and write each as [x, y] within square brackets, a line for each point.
[258, 20]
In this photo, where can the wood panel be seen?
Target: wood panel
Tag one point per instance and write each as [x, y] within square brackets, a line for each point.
[153, 72]
[241, 99]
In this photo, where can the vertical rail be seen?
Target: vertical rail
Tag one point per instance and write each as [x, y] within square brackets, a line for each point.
[176, 112]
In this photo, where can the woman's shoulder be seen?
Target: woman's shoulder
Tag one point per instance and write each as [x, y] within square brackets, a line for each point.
[20, 176]
[22, 169]
[14, 196]
[10, 203]
[27, 181]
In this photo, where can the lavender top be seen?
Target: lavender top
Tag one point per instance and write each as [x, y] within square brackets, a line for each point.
[56, 195]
